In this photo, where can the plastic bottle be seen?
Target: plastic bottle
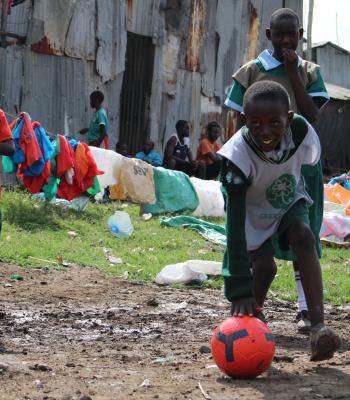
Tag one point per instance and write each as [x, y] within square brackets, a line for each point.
[120, 224]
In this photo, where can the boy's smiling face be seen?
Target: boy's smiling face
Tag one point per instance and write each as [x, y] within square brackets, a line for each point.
[284, 33]
[267, 121]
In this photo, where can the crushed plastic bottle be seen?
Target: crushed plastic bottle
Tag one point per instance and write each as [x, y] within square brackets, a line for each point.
[119, 224]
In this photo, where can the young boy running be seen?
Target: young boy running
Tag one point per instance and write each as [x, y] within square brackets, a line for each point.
[304, 84]
[98, 130]
[265, 196]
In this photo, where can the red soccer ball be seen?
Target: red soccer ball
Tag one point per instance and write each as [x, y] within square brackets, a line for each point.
[242, 347]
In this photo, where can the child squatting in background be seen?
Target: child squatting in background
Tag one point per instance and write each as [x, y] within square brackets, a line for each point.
[98, 130]
[266, 196]
[149, 155]
[303, 81]
[207, 150]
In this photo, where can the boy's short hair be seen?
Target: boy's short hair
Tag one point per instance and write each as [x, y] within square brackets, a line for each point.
[283, 13]
[212, 125]
[97, 95]
[150, 142]
[180, 123]
[266, 90]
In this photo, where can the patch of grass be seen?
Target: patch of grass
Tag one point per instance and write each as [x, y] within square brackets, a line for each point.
[36, 234]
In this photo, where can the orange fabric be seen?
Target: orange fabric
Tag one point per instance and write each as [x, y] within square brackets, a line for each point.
[85, 169]
[338, 194]
[28, 142]
[65, 158]
[205, 147]
[13, 124]
[5, 132]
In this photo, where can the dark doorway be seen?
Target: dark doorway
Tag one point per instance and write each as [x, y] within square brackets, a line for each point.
[136, 92]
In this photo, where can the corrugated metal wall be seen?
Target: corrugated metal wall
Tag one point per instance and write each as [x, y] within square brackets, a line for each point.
[74, 47]
[335, 65]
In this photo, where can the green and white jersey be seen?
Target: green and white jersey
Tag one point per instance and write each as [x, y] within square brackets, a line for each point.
[266, 67]
[272, 185]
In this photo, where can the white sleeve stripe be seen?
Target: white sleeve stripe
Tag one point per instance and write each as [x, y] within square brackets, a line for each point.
[319, 94]
[233, 105]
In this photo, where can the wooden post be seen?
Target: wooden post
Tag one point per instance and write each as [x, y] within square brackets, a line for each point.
[3, 22]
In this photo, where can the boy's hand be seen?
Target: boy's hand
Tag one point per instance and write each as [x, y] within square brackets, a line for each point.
[290, 59]
[245, 306]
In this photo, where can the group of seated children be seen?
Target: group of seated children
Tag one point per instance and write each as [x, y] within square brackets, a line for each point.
[178, 155]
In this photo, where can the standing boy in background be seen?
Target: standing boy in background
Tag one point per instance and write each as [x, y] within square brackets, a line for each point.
[303, 81]
[98, 130]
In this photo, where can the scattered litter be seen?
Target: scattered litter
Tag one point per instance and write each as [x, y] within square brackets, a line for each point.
[38, 383]
[211, 366]
[164, 360]
[152, 302]
[205, 394]
[146, 383]
[7, 285]
[16, 277]
[40, 367]
[284, 358]
[61, 261]
[106, 251]
[204, 350]
[146, 217]
[119, 224]
[41, 259]
[115, 260]
[72, 233]
[8, 238]
[187, 271]
[78, 204]
[125, 275]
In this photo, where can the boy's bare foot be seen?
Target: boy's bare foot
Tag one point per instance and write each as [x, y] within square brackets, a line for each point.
[324, 342]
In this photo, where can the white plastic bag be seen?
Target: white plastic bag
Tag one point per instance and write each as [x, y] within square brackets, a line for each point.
[211, 201]
[187, 271]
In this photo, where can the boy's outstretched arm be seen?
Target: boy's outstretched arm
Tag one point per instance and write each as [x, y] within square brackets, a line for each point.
[236, 266]
[305, 103]
[7, 148]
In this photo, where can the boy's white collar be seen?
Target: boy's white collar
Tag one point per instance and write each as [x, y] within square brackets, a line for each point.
[270, 62]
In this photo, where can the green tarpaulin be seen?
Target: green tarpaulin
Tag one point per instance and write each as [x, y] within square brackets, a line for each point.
[213, 232]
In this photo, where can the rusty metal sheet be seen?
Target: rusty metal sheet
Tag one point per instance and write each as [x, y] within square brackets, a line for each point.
[52, 18]
[210, 49]
[195, 36]
[170, 63]
[142, 16]
[80, 41]
[111, 37]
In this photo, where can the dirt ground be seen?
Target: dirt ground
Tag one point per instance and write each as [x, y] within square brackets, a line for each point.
[81, 334]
